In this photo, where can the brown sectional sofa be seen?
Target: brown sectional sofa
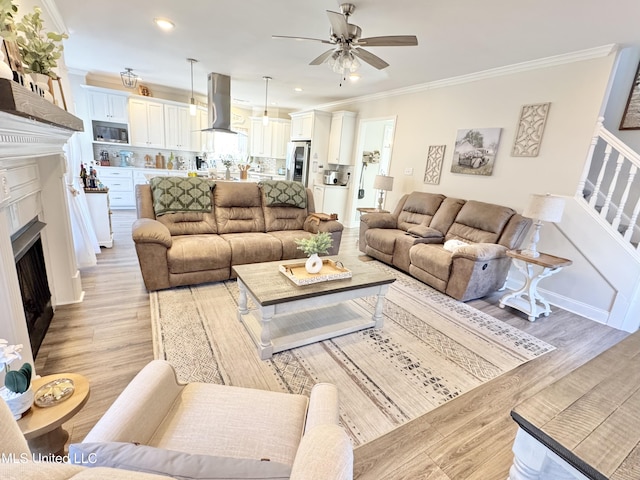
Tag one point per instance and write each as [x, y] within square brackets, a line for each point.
[186, 248]
[456, 246]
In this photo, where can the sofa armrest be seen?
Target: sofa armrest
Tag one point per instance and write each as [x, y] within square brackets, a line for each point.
[379, 220]
[313, 225]
[480, 252]
[140, 408]
[421, 231]
[146, 230]
[325, 452]
[323, 406]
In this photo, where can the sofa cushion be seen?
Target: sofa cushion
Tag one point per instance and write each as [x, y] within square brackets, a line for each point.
[238, 207]
[229, 421]
[180, 194]
[383, 239]
[480, 222]
[194, 253]
[419, 209]
[433, 259]
[180, 465]
[189, 223]
[288, 240]
[284, 193]
[284, 218]
[253, 247]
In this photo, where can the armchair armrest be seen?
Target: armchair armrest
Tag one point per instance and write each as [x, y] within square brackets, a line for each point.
[324, 453]
[480, 252]
[379, 220]
[140, 408]
[323, 406]
[146, 230]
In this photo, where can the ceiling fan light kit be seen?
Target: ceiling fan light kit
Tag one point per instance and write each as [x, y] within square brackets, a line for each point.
[347, 52]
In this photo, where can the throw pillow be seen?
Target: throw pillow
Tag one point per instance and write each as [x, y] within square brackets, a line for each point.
[284, 193]
[180, 465]
[453, 245]
[180, 194]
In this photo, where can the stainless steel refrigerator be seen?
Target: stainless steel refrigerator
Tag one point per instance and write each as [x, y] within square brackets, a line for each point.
[298, 162]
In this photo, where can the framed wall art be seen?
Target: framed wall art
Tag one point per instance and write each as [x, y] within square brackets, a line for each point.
[434, 164]
[631, 116]
[530, 128]
[475, 151]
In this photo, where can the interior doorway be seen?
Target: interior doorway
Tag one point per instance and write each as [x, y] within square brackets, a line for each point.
[373, 157]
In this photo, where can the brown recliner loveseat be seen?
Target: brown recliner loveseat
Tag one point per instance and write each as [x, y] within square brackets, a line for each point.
[242, 225]
[455, 246]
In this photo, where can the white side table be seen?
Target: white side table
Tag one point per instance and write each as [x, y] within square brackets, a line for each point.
[527, 299]
[100, 211]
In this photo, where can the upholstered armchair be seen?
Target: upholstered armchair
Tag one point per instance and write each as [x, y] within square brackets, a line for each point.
[200, 430]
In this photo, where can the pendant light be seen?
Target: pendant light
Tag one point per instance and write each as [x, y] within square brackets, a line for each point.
[265, 116]
[129, 79]
[192, 101]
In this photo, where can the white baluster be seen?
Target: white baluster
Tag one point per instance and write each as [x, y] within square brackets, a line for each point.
[596, 189]
[587, 165]
[632, 222]
[612, 187]
[625, 196]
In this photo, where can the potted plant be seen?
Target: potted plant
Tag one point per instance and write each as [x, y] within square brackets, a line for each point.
[318, 244]
[16, 391]
[40, 50]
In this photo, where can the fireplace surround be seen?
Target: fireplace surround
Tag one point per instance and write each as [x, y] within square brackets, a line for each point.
[33, 186]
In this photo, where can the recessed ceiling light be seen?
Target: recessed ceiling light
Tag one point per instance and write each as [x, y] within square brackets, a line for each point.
[354, 77]
[164, 23]
[298, 89]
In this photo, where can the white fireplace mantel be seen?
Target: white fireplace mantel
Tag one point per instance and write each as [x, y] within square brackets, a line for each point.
[32, 184]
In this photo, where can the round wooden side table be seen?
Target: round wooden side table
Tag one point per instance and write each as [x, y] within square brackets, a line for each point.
[42, 426]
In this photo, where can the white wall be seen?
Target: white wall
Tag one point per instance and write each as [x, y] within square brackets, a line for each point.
[432, 117]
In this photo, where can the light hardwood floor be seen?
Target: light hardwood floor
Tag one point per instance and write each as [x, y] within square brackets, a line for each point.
[108, 339]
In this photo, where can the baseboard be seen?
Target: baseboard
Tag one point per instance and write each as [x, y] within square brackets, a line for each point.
[568, 304]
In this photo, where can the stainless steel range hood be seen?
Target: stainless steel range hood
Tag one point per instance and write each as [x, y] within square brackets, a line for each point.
[219, 103]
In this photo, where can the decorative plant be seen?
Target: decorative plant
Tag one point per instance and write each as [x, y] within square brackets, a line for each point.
[319, 243]
[40, 50]
[17, 381]
[7, 11]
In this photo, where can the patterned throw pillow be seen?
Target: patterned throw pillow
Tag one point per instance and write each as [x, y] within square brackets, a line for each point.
[284, 193]
[180, 194]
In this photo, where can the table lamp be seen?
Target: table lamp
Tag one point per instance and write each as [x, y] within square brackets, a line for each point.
[541, 208]
[384, 184]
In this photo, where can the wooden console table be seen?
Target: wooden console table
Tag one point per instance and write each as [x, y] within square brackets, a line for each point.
[586, 425]
[527, 299]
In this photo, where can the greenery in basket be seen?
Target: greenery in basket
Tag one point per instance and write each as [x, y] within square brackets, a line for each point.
[319, 243]
[17, 381]
[40, 50]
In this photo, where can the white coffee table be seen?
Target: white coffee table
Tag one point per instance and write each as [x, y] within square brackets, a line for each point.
[289, 316]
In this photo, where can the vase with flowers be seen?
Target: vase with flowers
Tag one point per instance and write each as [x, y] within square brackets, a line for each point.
[17, 392]
[318, 244]
[227, 162]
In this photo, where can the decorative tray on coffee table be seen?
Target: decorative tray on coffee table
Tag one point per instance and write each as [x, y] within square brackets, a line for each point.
[331, 270]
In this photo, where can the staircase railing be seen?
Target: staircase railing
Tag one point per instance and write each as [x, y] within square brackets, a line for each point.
[609, 184]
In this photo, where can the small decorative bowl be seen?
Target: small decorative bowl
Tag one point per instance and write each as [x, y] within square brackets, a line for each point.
[54, 392]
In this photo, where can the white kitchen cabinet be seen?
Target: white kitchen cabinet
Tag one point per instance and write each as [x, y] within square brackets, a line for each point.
[177, 127]
[147, 123]
[98, 203]
[108, 107]
[120, 184]
[269, 141]
[341, 138]
[302, 125]
[331, 199]
[201, 141]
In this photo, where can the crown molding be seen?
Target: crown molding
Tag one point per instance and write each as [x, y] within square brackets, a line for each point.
[553, 61]
[51, 8]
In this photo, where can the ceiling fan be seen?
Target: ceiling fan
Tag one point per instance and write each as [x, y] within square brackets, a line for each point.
[347, 41]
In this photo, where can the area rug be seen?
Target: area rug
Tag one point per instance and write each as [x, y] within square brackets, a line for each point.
[431, 349]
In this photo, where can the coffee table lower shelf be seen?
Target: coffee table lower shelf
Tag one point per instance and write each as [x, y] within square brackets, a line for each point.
[287, 325]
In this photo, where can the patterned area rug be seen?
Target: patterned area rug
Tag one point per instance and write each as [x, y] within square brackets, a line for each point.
[431, 349]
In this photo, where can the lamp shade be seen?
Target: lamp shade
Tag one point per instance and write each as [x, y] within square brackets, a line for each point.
[547, 208]
[383, 182]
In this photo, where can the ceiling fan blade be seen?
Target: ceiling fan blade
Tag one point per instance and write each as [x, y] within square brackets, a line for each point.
[370, 58]
[339, 24]
[321, 58]
[389, 41]
[300, 38]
